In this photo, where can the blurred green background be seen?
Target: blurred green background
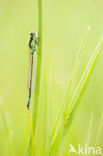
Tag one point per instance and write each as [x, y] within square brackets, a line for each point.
[64, 25]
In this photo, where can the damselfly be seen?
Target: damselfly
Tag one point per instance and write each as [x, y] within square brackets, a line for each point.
[33, 43]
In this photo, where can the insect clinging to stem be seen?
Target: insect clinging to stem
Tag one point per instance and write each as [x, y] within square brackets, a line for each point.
[33, 43]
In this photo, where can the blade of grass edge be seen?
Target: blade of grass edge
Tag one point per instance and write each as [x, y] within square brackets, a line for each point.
[100, 128]
[69, 113]
[90, 129]
[56, 125]
[38, 76]
[7, 132]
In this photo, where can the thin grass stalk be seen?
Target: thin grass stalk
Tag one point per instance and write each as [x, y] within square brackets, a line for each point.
[38, 73]
[47, 79]
[90, 130]
[6, 132]
[45, 110]
[69, 113]
[37, 83]
[50, 102]
[60, 112]
[100, 129]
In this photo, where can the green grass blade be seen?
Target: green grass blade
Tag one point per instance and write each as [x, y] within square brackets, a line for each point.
[90, 130]
[6, 132]
[38, 73]
[60, 112]
[37, 83]
[100, 129]
[81, 86]
[49, 102]
[45, 122]
[72, 105]
[47, 105]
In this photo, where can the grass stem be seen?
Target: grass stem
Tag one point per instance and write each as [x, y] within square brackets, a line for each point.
[37, 83]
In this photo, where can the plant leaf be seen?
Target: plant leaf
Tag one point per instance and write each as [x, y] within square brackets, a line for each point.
[68, 114]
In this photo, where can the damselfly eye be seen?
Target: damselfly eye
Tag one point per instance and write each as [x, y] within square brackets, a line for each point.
[32, 33]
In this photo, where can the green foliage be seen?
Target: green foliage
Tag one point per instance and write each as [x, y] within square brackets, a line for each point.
[55, 120]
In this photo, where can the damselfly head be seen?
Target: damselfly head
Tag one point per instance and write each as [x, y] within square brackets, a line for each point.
[33, 34]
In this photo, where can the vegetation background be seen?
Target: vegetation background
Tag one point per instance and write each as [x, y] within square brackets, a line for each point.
[64, 25]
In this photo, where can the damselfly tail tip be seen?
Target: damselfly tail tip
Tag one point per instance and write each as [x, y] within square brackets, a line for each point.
[27, 106]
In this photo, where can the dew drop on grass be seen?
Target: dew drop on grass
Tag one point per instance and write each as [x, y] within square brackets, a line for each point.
[89, 27]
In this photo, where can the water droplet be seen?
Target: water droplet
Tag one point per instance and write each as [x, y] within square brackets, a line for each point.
[88, 27]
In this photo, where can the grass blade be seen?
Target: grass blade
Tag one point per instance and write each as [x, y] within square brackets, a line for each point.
[7, 132]
[72, 105]
[100, 129]
[90, 130]
[37, 84]
[60, 112]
